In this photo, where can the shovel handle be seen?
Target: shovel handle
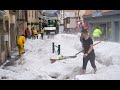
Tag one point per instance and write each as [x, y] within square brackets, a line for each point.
[82, 50]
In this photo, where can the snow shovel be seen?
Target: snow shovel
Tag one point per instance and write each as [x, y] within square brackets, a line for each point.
[66, 57]
[82, 50]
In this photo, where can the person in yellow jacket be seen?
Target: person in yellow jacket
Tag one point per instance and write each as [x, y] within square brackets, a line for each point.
[20, 43]
[97, 34]
[42, 31]
[35, 33]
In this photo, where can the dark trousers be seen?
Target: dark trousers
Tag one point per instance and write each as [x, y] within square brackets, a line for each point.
[92, 61]
[27, 36]
[42, 35]
[35, 36]
[48, 33]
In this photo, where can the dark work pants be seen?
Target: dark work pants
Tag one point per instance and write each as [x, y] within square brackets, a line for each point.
[92, 61]
[36, 36]
[42, 35]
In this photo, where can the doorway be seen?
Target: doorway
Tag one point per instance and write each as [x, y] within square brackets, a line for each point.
[117, 31]
[12, 36]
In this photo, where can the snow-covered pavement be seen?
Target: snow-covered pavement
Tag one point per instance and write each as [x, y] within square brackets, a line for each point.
[37, 64]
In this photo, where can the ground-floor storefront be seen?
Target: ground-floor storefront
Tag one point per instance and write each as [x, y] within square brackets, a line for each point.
[109, 23]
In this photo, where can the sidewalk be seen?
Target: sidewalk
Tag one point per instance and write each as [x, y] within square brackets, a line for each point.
[11, 61]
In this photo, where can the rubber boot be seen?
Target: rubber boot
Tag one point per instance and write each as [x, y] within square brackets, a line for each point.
[83, 71]
[95, 69]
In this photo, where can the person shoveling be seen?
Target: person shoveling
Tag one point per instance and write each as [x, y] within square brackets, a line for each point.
[61, 57]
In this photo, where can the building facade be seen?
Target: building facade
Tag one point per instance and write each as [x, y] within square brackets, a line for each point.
[7, 34]
[33, 18]
[108, 21]
[21, 21]
[71, 19]
[12, 24]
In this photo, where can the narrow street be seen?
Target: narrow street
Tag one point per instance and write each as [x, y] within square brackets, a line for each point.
[37, 65]
[56, 44]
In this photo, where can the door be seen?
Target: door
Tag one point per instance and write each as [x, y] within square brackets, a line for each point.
[117, 33]
[103, 28]
[109, 31]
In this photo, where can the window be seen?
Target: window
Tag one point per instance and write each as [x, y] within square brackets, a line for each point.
[35, 15]
[29, 13]
[68, 21]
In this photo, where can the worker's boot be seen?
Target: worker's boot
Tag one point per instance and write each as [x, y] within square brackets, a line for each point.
[83, 71]
[95, 69]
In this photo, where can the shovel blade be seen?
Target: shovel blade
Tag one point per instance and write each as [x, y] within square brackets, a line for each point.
[70, 57]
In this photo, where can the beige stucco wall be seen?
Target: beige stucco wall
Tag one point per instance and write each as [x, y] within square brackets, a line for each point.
[32, 19]
[2, 57]
[73, 23]
[11, 19]
[82, 12]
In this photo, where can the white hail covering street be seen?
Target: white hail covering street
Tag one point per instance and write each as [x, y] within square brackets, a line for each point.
[37, 64]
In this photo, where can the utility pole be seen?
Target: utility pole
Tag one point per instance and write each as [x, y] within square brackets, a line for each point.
[79, 15]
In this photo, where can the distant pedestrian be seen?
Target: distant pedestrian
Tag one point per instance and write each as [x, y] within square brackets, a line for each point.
[35, 33]
[48, 33]
[97, 34]
[27, 33]
[42, 32]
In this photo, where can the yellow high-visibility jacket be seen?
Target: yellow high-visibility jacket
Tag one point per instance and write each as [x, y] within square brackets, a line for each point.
[35, 32]
[97, 33]
[21, 40]
[42, 31]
